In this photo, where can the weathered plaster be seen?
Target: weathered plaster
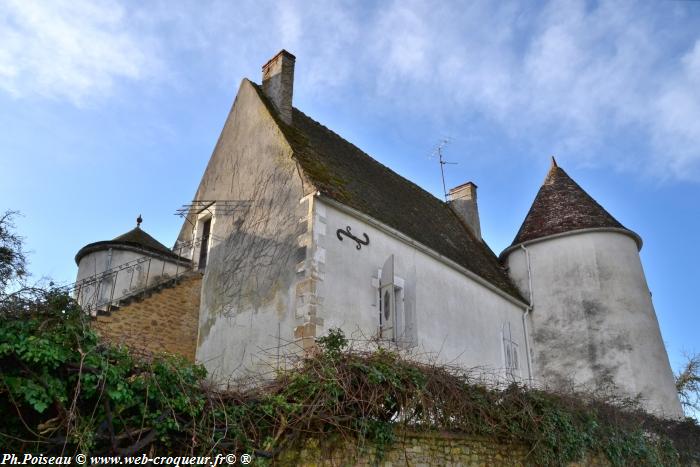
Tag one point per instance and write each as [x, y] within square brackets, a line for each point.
[249, 289]
[123, 282]
[449, 317]
[593, 321]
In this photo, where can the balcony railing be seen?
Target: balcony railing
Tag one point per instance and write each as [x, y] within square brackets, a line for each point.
[105, 291]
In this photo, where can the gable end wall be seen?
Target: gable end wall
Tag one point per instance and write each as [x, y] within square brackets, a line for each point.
[250, 286]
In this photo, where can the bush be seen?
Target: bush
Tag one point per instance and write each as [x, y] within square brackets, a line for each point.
[66, 391]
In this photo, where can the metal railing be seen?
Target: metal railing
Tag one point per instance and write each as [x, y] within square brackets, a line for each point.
[99, 292]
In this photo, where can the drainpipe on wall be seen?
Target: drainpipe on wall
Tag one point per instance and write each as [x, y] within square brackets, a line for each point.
[527, 312]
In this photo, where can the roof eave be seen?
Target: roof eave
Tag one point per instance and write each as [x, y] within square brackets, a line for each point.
[516, 300]
[637, 239]
[130, 246]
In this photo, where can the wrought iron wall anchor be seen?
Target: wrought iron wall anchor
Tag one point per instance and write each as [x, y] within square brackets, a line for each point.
[348, 234]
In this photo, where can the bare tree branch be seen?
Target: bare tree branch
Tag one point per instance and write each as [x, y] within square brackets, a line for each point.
[13, 260]
[688, 384]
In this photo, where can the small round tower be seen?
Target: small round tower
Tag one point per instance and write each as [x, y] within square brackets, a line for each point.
[111, 270]
[593, 324]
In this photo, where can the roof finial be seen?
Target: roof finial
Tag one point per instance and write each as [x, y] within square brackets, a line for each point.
[554, 162]
[138, 221]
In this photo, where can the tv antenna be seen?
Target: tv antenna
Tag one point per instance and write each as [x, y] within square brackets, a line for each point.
[437, 152]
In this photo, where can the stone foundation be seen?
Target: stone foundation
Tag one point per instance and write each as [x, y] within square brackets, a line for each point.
[420, 449]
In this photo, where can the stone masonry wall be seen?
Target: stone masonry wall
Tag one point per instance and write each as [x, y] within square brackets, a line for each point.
[164, 322]
[420, 449]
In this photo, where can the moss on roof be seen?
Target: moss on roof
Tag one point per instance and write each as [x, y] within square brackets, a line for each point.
[560, 206]
[343, 172]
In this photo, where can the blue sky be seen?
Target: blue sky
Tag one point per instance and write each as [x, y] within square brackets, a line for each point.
[109, 110]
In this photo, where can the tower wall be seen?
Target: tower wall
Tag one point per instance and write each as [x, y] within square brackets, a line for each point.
[593, 321]
[100, 279]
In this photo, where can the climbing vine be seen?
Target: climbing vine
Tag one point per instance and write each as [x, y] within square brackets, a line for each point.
[63, 390]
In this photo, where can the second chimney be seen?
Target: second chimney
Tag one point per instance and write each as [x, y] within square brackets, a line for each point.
[278, 83]
[462, 199]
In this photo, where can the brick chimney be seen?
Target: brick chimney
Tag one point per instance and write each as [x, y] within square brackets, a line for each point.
[278, 83]
[462, 200]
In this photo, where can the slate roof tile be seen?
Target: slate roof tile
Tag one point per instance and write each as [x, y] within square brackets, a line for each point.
[343, 172]
[560, 206]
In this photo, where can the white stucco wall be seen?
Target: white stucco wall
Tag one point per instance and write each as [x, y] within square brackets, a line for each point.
[247, 312]
[277, 276]
[593, 321]
[449, 316]
[94, 289]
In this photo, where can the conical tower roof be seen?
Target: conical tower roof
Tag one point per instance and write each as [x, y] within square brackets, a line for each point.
[135, 238]
[563, 206]
[139, 237]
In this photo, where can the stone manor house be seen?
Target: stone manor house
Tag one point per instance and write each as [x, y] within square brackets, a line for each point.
[294, 231]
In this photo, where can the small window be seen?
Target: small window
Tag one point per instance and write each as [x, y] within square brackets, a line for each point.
[204, 245]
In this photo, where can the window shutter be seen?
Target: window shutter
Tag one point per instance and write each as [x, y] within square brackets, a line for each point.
[387, 317]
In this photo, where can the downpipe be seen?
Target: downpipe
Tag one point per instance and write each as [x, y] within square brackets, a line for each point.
[526, 313]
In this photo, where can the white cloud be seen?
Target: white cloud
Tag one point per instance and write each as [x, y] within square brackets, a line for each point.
[569, 75]
[68, 49]
[676, 117]
[288, 21]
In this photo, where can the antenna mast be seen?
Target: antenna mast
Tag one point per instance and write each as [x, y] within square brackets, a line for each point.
[438, 151]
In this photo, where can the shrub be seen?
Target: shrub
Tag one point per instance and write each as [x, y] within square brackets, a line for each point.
[63, 390]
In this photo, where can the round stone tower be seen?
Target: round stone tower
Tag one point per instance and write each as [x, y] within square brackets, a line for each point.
[593, 324]
[111, 270]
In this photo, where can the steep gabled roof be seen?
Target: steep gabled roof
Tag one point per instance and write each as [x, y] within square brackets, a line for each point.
[343, 172]
[561, 206]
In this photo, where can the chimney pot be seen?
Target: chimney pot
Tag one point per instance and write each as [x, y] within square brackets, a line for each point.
[278, 83]
[462, 200]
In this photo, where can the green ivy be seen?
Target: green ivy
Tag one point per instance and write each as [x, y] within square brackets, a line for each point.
[62, 390]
